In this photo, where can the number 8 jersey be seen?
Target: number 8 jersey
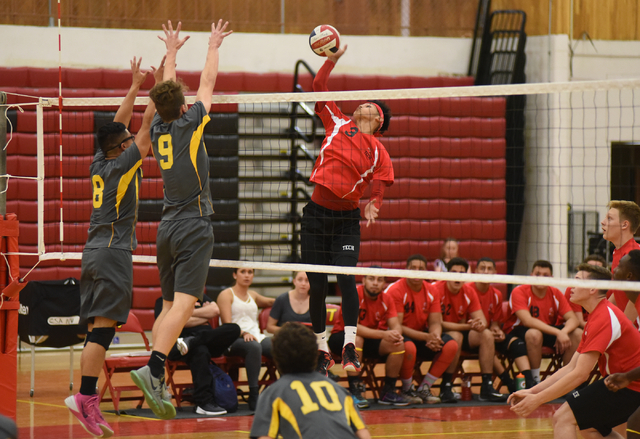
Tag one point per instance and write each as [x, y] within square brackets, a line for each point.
[306, 405]
[115, 186]
[179, 149]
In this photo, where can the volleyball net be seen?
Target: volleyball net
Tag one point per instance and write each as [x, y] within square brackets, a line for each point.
[517, 173]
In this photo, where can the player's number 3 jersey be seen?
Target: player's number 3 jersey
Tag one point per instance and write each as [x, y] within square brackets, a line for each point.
[306, 405]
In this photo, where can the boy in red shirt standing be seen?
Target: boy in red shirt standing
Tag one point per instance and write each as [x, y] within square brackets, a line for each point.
[351, 158]
[491, 302]
[609, 340]
[379, 335]
[618, 227]
[464, 320]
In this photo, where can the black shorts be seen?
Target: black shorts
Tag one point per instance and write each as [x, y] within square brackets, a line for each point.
[548, 340]
[106, 284]
[597, 407]
[184, 249]
[502, 347]
[423, 352]
[370, 347]
[330, 237]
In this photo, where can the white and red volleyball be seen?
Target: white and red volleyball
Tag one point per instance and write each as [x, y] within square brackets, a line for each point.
[324, 40]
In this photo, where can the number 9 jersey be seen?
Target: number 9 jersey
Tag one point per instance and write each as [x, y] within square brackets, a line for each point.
[179, 149]
[306, 405]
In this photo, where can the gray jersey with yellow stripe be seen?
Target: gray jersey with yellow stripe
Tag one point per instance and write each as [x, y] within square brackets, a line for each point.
[306, 405]
[115, 186]
[179, 148]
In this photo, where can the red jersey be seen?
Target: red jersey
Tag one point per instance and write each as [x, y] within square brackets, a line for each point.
[416, 306]
[456, 308]
[574, 306]
[349, 160]
[610, 333]
[491, 303]
[373, 313]
[547, 309]
[620, 296]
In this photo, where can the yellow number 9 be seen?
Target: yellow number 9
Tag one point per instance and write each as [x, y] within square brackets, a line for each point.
[165, 148]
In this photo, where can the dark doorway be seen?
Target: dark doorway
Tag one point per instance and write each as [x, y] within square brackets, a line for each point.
[625, 171]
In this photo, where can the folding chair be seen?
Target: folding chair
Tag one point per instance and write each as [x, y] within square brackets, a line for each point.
[125, 363]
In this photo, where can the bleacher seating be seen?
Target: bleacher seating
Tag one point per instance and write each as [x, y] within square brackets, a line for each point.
[448, 155]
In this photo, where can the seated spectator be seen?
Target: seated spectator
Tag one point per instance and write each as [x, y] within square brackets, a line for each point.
[508, 345]
[581, 314]
[464, 320]
[449, 250]
[378, 335]
[292, 306]
[418, 307]
[239, 305]
[534, 314]
[286, 409]
[198, 343]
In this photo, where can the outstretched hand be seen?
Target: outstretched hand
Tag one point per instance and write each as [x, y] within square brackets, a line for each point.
[336, 56]
[138, 75]
[172, 38]
[218, 33]
[371, 212]
[159, 72]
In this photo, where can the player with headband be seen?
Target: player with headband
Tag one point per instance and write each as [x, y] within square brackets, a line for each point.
[351, 158]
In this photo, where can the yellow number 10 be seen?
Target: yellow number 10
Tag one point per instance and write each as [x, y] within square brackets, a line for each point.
[165, 148]
[308, 406]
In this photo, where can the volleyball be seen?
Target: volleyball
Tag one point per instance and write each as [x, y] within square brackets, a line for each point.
[324, 40]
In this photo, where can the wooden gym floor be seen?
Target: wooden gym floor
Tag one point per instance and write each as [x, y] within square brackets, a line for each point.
[44, 416]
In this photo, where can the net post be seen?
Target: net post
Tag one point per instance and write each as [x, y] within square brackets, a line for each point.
[40, 165]
[3, 154]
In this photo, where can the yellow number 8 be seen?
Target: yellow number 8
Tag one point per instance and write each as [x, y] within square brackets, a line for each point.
[98, 190]
[165, 148]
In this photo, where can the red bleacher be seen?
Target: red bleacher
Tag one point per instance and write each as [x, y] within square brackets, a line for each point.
[448, 155]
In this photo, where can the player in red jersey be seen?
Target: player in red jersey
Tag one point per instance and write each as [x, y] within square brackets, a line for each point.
[418, 307]
[534, 315]
[618, 227]
[628, 269]
[579, 311]
[379, 335]
[609, 340]
[351, 158]
[464, 320]
[491, 301]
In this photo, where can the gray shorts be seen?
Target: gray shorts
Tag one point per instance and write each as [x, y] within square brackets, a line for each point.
[106, 284]
[184, 249]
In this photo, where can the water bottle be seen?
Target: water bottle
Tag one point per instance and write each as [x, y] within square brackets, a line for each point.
[466, 388]
[521, 384]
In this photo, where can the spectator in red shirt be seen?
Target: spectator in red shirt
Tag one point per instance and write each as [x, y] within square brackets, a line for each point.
[610, 341]
[418, 307]
[628, 269]
[534, 315]
[379, 335]
[618, 227]
[464, 320]
[508, 345]
[351, 158]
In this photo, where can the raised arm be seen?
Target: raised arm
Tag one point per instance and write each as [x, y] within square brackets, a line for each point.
[174, 43]
[210, 71]
[125, 111]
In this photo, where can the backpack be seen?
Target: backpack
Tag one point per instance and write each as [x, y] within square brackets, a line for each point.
[224, 391]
